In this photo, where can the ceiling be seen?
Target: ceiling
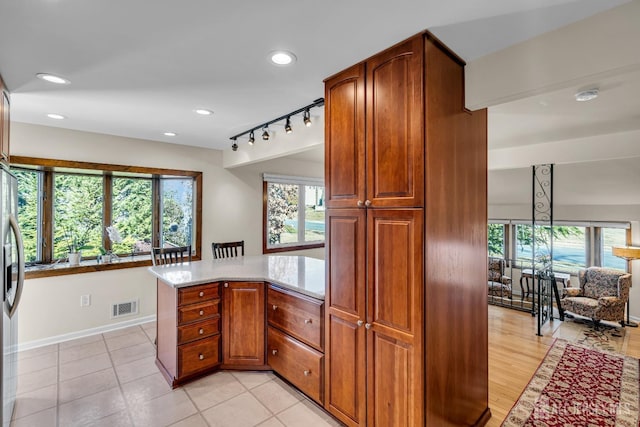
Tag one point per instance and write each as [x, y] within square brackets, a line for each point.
[140, 68]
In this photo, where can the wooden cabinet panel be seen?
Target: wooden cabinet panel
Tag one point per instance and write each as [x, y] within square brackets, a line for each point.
[345, 138]
[296, 362]
[243, 323]
[194, 294]
[395, 136]
[194, 312]
[198, 356]
[196, 331]
[297, 316]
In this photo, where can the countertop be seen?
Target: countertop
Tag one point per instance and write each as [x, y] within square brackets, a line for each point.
[298, 273]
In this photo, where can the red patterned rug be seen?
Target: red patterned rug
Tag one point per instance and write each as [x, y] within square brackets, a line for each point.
[579, 386]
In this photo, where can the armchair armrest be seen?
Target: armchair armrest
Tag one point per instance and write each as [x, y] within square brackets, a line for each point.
[571, 292]
[506, 280]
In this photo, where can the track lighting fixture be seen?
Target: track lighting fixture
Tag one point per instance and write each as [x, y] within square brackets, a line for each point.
[307, 118]
[287, 127]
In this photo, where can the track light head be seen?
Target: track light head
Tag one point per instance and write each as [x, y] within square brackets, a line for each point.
[265, 134]
[307, 118]
[287, 126]
[234, 146]
[251, 138]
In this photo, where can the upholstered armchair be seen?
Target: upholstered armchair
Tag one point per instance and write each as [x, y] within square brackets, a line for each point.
[499, 285]
[602, 295]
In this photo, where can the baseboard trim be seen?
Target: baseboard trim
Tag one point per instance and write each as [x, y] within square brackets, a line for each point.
[85, 333]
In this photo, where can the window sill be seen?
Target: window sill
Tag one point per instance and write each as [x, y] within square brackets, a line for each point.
[292, 248]
[88, 266]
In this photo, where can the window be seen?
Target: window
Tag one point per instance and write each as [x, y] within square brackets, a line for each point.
[496, 240]
[293, 213]
[149, 207]
[612, 237]
[569, 249]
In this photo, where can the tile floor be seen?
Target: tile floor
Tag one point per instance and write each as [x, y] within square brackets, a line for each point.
[111, 380]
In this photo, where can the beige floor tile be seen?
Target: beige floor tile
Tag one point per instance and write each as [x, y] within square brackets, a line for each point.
[38, 363]
[213, 389]
[37, 351]
[164, 410]
[88, 410]
[81, 367]
[119, 419]
[145, 389]
[87, 384]
[136, 369]
[251, 379]
[122, 331]
[135, 352]
[193, 421]
[151, 333]
[46, 418]
[36, 380]
[302, 415]
[276, 395]
[241, 411]
[36, 401]
[127, 340]
[271, 422]
[82, 351]
[149, 326]
[81, 341]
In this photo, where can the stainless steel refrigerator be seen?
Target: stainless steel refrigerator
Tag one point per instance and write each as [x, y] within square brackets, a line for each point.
[13, 280]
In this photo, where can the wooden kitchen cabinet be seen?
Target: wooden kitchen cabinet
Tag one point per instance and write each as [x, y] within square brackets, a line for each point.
[4, 122]
[188, 338]
[243, 323]
[405, 173]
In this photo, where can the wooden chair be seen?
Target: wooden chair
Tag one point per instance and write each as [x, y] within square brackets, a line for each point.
[175, 255]
[227, 250]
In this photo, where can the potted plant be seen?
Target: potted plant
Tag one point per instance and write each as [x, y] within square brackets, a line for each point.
[76, 242]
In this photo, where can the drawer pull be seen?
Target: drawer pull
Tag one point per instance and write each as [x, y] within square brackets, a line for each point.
[201, 357]
[201, 312]
[201, 331]
[307, 321]
[359, 203]
[275, 307]
[367, 325]
[360, 323]
[226, 285]
[307, 373]
[201, 294]
[274, 351]
[367, 203]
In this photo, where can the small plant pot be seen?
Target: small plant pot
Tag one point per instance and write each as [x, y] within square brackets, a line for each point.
[74, 258]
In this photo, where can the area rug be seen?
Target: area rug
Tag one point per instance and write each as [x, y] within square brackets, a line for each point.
[605, 337]
[581, 387]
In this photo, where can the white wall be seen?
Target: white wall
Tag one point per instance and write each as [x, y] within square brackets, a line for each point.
[232, 210]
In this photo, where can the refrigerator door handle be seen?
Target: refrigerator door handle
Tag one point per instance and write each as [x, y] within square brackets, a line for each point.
[13, 222]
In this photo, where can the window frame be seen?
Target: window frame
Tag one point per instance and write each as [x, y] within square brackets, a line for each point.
[50, 166]
[288, 180]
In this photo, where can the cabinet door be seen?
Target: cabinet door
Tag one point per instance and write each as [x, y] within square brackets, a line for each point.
[395, 136]
[4, 128]
[395, 317]
[345, 359]
[243, 323]
[344, 138]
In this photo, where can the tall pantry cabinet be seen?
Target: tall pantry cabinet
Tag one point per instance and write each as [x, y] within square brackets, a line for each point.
[405, 172]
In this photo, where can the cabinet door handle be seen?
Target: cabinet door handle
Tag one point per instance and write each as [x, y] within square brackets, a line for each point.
[201, 294]
[274, 351]
[307, 321]
[367, 325]
[367, 203]
[307, 373]
[226, 285]
[275, 307]
[359, 203]
[201, 357]
[360, 323]
[201, 331]
[201, 312]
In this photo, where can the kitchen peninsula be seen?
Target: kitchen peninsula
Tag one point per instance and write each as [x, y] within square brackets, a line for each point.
[255, 312]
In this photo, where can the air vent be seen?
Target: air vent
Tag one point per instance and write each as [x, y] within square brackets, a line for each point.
[124, 309]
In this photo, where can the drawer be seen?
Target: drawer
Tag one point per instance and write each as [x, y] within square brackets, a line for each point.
[297, 362]
[195, 331]
[198, 356]
[194, 312]
[298, 316]
[200, 293]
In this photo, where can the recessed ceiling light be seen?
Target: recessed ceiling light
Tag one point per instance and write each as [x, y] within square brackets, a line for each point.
[282, 57]
[203, 111]
[170, 134]
[52, 78]
[56, 116]
[586, 95]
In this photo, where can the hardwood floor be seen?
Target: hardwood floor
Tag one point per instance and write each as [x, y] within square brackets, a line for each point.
[515, 352]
